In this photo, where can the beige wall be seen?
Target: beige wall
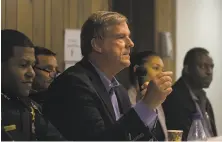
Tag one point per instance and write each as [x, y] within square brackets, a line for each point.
[165, 21]
[44, 21]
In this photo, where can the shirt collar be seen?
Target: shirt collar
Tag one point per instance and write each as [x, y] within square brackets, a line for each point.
[106, 81]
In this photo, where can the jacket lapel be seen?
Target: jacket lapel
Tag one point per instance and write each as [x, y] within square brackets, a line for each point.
[99, 86]
[185, 96]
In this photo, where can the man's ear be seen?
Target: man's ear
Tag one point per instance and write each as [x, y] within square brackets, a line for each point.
[95, 46]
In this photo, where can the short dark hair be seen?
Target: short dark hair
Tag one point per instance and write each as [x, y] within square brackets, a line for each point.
[138, 58]
[191, 55]
[11, 39]
[95, 26]
[43, 51]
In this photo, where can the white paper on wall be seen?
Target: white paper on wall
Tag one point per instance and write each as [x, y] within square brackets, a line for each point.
[72, 51]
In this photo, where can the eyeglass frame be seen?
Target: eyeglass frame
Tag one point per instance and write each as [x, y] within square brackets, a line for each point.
[55, 73]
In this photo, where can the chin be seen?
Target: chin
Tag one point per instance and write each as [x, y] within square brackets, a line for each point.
[126, 63]
[206, 85]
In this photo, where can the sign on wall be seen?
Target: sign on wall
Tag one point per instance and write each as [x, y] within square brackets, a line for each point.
[72, 49]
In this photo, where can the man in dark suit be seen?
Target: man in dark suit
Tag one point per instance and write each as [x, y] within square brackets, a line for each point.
[188, 96]
[88, 103]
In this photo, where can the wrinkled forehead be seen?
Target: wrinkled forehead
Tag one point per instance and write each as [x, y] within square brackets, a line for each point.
[118, 28]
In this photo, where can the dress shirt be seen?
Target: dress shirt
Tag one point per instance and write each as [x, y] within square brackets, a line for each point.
[148, 116]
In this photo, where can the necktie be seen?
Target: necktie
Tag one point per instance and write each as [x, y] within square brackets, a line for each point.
[114, 103]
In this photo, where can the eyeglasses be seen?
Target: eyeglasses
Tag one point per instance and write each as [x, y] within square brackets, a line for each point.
[52, 74]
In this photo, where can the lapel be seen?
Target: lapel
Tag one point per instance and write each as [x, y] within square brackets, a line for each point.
[99, 86]
[184, 96]
[161, 118]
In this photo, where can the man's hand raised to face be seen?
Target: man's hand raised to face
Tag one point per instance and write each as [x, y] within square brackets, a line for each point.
[158, 89]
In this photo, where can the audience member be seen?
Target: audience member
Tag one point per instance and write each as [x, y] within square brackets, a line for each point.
[188, 96]
[150, 63]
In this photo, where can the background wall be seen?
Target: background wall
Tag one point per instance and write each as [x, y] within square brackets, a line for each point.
[199, 23]
[44, 21]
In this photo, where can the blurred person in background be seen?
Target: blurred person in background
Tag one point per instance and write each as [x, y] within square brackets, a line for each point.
[46, 69]
[188, 96]
[150, 63]
[21, 117]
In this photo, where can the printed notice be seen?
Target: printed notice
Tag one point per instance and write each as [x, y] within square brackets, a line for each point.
[72, 49]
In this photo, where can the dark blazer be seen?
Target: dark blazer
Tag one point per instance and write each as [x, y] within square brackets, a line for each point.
[81, 109]
[179, 107]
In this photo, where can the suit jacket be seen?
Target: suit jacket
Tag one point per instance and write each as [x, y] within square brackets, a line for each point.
[179, 108]
[81, 109]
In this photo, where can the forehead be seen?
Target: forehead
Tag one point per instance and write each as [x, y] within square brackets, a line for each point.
[155, 60]
[204, 58]
[47, 60]
[24, 52]
[120, 28]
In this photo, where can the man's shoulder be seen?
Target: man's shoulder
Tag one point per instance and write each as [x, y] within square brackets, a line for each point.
[74, 73]
[73, 78]
[179, 90]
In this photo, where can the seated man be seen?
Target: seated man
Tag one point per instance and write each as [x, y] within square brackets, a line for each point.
[22, 119]
[46, 69]
[87, 102]
[188, 96]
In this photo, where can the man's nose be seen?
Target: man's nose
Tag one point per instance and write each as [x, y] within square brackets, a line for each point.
[30, 72]
[209, 71]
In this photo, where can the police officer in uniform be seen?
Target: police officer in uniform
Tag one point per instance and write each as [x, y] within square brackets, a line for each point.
[21, 117]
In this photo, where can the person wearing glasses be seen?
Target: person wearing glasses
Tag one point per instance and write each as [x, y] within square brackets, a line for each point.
[46, 69]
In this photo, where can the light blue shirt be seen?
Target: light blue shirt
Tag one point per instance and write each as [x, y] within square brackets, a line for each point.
[148, 116]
